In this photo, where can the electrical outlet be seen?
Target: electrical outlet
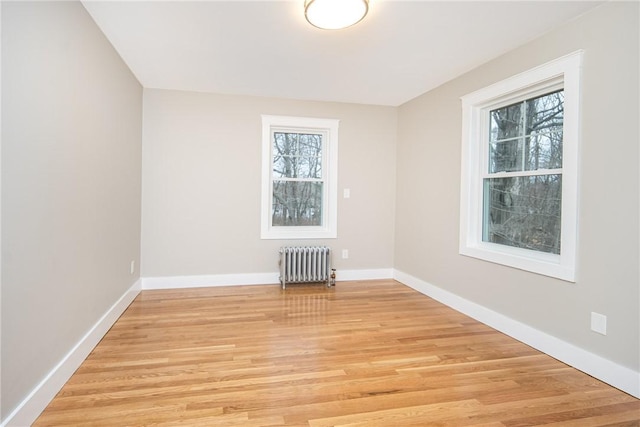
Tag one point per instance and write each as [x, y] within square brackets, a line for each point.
[599, 323]
[345, 254]
[132, 268]
[346, 193]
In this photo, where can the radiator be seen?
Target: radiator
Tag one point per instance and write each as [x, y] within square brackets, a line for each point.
[305, 265]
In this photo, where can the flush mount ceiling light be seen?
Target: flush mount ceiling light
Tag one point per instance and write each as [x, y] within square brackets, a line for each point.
[335, 14]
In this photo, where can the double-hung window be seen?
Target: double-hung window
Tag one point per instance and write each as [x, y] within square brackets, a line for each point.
[299, 177]
[519, 170]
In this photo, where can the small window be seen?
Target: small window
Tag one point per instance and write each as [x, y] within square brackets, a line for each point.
[519, 170]
[299, 177]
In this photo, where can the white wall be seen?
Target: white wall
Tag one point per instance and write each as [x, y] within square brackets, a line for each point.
[428, 164]
[71, 184]
[201, 184]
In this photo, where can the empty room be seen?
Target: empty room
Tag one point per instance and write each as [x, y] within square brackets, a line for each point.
[277, 213]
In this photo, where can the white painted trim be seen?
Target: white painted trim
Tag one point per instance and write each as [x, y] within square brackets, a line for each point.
[33, 405]
[372, 274]
[328, 127]
[598, 367]
[204, 281]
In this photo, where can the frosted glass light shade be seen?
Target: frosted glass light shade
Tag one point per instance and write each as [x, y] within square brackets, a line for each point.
[335, 14]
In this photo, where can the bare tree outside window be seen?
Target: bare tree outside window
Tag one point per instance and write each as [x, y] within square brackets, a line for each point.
[523, 191]
[297, 179]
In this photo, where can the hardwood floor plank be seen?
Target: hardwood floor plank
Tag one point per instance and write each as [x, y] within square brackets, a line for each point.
[519, 412]
[436, 413]
[370, 353]
[615, 409]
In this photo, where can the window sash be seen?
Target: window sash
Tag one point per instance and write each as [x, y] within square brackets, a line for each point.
[516, 221]
[562, 73]
[508, 201]
[299, 159]
[324, 193]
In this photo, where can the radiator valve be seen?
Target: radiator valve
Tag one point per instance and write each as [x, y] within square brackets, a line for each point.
[333, 277]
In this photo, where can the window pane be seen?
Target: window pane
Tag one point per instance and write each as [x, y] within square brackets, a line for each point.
[310, 167]
[283, 167]
[297, 155]
[297, 144]
[544, 151]
[297, 167]
[284, 144]
[505, 156]
[310, 145]
[506, 122]
[545, 112]
[523, 212]
[297, 203]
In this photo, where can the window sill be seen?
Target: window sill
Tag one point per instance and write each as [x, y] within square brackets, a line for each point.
[535, 262]
[285, 233]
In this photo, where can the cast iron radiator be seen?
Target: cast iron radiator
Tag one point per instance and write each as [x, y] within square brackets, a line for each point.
[305, 265]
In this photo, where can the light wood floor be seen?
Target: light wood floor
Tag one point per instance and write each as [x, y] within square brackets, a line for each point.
[372, 353]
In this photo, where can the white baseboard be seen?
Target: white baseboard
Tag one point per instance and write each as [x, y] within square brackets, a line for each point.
[372, 274]
[33, 405]
[181, 282]
[203, 281]
[598, 367]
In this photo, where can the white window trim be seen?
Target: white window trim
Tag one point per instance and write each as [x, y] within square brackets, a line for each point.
[567, 72]
[329, 127]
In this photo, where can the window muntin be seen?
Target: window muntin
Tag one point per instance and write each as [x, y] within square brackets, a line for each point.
[536, 151]
[299, 177]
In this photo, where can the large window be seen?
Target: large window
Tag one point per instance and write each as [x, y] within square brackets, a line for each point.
[519, 170]
[299, 177]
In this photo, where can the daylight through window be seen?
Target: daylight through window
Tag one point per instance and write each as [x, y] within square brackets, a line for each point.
[519, 180]
[299, 177]
[523, 184]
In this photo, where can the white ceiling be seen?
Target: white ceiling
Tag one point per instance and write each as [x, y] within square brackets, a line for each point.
[266, 48]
